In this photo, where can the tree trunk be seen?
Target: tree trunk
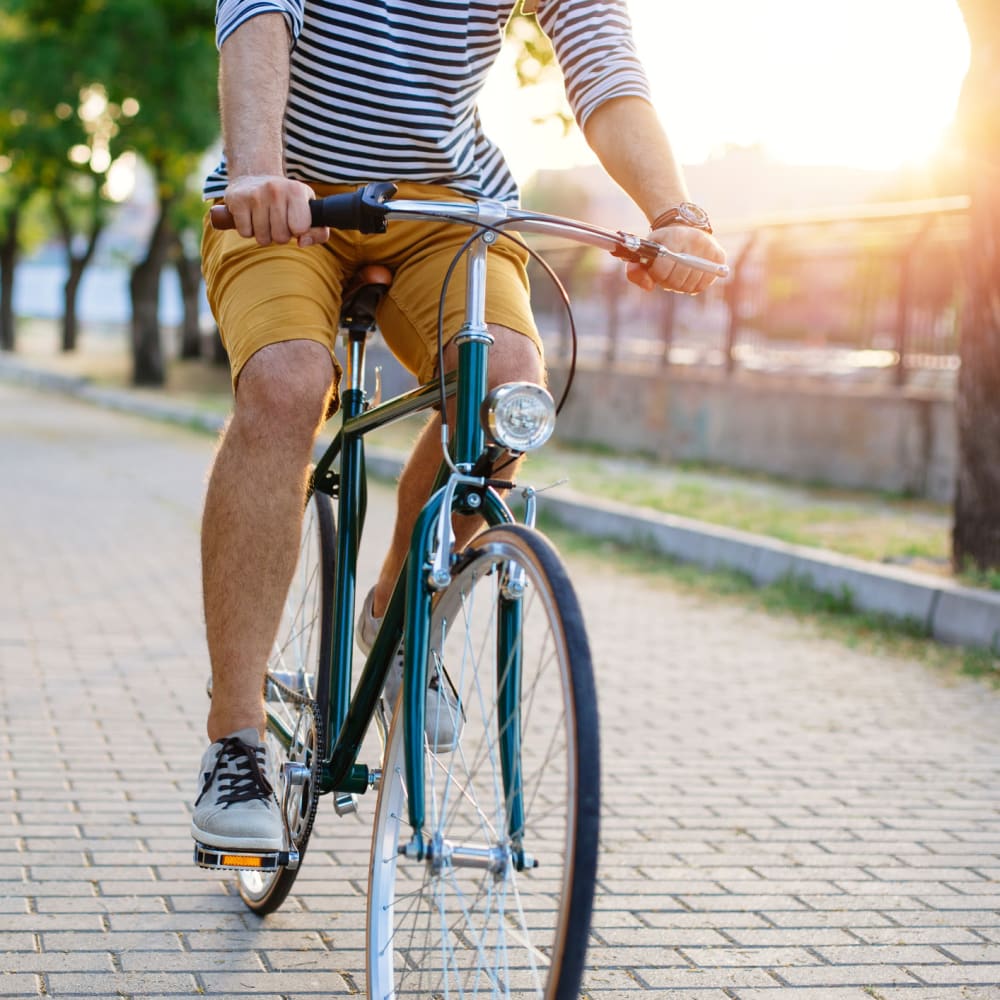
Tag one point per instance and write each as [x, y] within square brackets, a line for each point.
[76, 264]
[189, 273]
[144, 287]
[70, 323]
[976, 531]
[8, 264]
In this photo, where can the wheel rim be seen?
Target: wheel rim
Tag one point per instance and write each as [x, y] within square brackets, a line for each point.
[453, 930]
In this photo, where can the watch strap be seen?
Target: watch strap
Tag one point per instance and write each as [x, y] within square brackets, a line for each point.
[675, 217]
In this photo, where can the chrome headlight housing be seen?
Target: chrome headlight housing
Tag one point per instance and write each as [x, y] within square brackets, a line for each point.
[519, 416]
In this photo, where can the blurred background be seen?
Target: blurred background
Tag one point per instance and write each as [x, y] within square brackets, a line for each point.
[847, 154]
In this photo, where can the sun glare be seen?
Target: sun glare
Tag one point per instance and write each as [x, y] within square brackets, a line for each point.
[864, 83]
[860, 83]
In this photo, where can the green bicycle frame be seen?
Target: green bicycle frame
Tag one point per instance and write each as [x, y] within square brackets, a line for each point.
[412, 597]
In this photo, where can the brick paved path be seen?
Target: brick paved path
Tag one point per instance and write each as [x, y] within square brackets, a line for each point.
[781, 813]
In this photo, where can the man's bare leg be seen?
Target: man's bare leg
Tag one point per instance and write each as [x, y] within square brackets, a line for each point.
[513, 357]
[252, 521]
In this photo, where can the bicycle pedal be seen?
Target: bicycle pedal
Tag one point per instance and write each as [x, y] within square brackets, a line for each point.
[260, 861]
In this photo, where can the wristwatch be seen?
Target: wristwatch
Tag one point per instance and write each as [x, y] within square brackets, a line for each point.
[685, 214]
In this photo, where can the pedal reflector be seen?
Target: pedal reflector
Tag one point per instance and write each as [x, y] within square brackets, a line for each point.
[241, 861]
[213, 857]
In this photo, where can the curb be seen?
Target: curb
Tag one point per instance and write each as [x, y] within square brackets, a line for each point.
[947, 611]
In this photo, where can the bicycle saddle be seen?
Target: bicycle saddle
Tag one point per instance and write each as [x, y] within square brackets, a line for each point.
[362, 295]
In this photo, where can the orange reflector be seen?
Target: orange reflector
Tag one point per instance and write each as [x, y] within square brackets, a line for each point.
[246, 861]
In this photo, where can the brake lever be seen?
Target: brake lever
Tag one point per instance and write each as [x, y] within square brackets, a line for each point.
[639, 251]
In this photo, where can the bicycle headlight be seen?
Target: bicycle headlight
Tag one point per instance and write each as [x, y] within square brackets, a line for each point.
[520, 416]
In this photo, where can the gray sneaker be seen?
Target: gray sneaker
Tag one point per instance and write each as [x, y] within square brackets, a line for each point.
[444, 716]
[236, 808]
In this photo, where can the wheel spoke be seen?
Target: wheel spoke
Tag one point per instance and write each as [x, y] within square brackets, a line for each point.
[468, 923]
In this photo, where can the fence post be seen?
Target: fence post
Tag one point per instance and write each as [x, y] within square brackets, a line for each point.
[668, 316]
[903, 303]
[732, 298]
[612, 281]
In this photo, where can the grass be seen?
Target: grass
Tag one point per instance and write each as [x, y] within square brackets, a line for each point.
[987, 578]
[834, 615]
[870, 526]
[867, 526]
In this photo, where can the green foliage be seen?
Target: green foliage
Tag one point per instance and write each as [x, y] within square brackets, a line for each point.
[535, 58]
[87, 81]
[535, 63]
[164, 60]
[33, 225]
[972, 576]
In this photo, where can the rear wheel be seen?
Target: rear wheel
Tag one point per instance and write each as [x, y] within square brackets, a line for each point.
[502, 907]
[294, 728]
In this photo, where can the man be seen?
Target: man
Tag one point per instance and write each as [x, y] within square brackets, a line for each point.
[319, 96]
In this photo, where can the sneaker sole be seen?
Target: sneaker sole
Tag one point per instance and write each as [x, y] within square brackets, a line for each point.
[236, 845]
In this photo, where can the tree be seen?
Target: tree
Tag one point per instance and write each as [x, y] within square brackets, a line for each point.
[15, 176]
[976, 531]
[164, 59]
[79, 195]
[10, 241]
[60, 135]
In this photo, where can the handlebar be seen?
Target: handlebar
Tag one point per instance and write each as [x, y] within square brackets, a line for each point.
[369, 209]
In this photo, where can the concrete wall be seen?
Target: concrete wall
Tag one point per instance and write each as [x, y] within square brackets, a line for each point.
[808, 431]
[852, 436]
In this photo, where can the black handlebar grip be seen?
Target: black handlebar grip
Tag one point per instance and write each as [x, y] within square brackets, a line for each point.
[338, 211]
[360, 211]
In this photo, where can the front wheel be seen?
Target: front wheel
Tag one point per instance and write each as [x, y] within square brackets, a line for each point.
[502, 906]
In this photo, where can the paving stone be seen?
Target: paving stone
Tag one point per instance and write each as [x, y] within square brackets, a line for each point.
[844, 975]
[296, 984]
[121, 984]
[985, 975]
[809, 993]
[942, 993]
[20, 985]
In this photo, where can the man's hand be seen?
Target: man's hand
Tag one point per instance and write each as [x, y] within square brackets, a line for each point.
[273, 209]
[665, 273]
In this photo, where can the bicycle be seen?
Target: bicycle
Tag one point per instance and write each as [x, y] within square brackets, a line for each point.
[492, 889]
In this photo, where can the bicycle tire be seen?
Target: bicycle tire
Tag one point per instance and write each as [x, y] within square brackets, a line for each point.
[295, 689]
[449, 929]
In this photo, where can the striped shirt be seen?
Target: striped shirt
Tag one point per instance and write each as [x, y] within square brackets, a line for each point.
[387, 89]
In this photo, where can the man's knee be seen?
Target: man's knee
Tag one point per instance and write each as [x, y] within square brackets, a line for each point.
[287, 386]
[514, 358]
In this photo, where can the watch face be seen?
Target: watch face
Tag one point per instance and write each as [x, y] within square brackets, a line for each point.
[692, 214]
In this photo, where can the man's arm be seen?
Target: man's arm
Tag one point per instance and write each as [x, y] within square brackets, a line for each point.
[253, 90]
[632, 146]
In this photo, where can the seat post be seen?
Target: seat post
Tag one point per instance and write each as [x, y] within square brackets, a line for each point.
[354, 374]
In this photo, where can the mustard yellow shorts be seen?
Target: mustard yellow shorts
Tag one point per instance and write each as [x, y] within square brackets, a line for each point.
[266, 295]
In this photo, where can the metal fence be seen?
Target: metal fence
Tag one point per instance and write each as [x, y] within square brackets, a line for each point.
[872, 294]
